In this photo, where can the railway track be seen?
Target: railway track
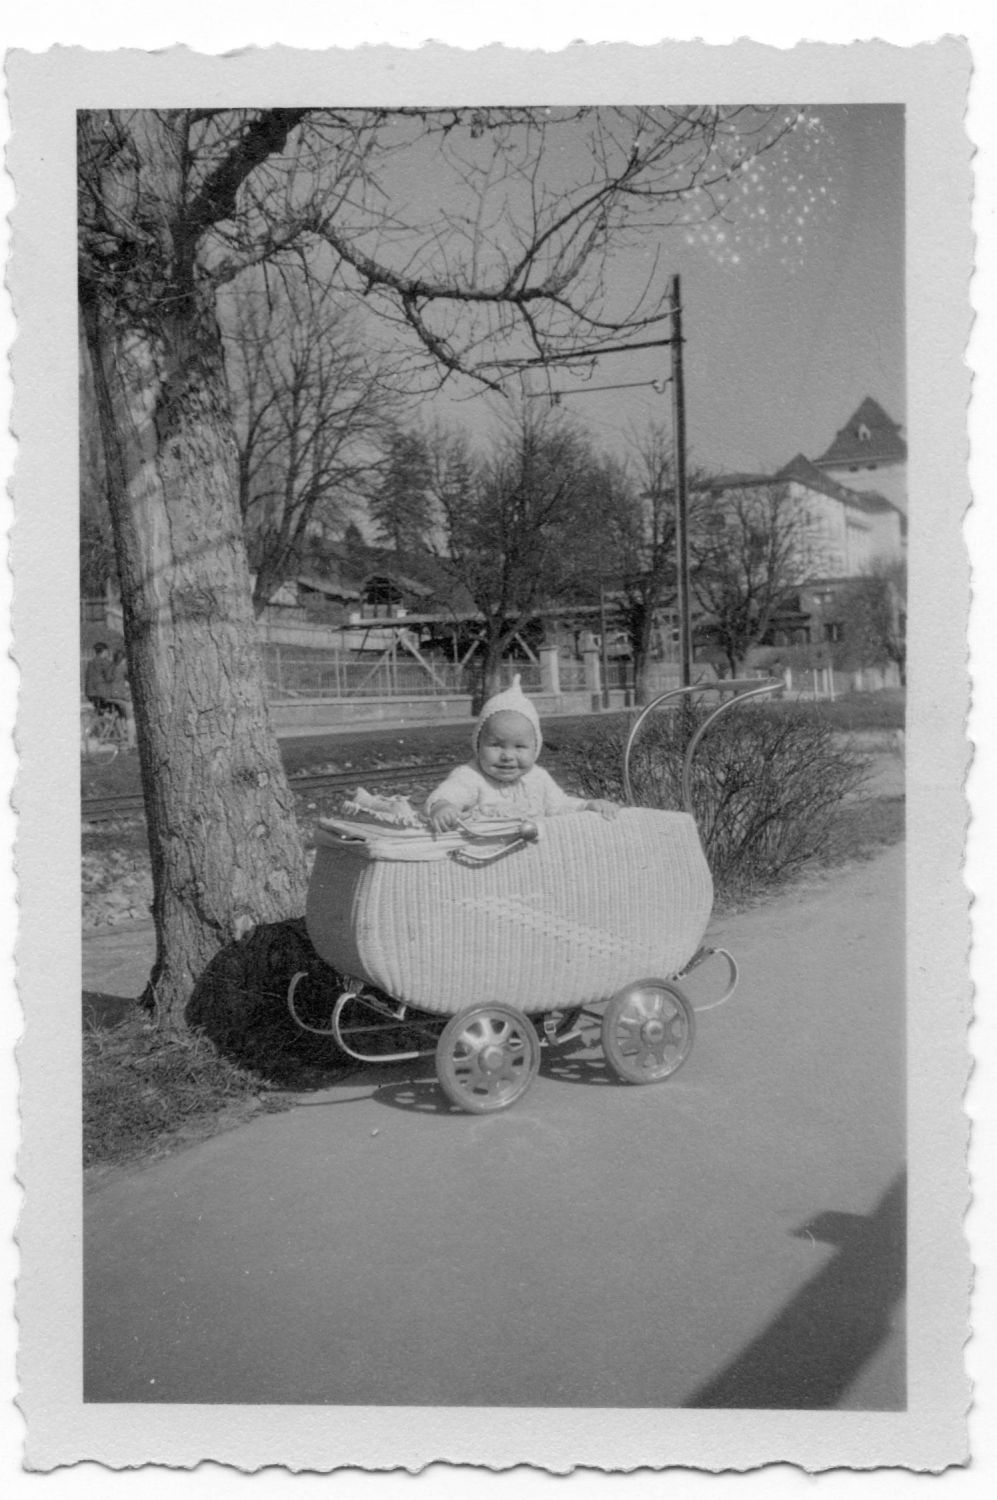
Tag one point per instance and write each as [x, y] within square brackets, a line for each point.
[131, 805]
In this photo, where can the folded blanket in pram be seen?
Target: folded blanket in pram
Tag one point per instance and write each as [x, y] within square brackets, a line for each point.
[390, 828]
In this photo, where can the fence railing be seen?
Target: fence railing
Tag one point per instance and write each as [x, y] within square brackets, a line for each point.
[292, 673]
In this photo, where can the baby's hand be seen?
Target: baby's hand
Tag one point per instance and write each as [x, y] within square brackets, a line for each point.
[607, 810]
[443, 817]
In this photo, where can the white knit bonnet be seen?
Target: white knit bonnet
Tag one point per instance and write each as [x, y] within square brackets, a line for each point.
[510, 700]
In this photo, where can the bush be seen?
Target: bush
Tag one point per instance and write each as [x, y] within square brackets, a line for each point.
[765, 786]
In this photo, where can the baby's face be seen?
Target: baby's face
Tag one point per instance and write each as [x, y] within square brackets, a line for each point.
[507, 747]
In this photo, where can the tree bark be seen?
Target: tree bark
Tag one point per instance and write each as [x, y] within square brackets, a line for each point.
[640, 643]
[225, 847]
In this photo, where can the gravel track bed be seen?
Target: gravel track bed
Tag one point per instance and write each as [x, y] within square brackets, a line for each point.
[116, 877]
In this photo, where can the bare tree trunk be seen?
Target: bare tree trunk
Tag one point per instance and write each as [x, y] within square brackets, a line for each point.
[640, 640]
[491, 675]
[493, 672]
[226, 852]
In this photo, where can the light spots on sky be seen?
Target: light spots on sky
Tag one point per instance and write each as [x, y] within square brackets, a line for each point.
[770, 203]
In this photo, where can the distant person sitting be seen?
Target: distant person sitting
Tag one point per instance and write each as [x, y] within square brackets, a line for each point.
[120, 695]
[98, 677]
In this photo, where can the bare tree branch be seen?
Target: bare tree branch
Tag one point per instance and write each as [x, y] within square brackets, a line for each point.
[310, 410]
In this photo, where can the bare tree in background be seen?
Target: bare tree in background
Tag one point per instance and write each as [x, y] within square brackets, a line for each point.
[310, 408]
[873, 610]
[517, 525]
[749, 549]
[640, 531]
[477, 242]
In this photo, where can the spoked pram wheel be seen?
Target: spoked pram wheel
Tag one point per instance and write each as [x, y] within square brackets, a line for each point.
[647, 1031]
[487, 1058]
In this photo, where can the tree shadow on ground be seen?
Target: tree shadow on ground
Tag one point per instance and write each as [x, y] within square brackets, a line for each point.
[240, 1004]
[106, 1011]
[814, 1349]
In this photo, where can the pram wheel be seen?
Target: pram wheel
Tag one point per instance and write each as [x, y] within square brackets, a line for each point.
[487, 1058]
[647, 1031]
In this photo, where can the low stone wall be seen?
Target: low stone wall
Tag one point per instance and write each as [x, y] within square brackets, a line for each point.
[300, 714]
[339, 713]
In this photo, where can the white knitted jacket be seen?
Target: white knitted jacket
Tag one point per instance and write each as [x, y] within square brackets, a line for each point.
[535, 795]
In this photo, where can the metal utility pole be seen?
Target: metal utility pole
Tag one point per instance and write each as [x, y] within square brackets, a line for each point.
[604, 644]
[681, 494]
[675, 343]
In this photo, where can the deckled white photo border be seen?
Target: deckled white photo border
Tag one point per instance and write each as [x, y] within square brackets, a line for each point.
[45, 91]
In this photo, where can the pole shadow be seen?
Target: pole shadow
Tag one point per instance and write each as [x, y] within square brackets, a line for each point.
[811, 1353]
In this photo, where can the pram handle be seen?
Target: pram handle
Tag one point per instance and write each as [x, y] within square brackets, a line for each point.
[739, 690]
[527, 833]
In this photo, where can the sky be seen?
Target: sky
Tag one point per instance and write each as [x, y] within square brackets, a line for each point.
[793, 311]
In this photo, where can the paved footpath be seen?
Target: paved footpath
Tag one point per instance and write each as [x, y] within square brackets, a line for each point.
[732, 1237]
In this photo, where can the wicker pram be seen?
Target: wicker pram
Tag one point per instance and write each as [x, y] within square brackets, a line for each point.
[564, 921]
[484, 946]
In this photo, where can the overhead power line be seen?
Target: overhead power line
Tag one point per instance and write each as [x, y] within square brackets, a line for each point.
[677, 382]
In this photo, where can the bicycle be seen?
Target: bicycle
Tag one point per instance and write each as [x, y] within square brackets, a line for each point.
[102, 735]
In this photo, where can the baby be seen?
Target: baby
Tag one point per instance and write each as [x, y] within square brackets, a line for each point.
[503, 780]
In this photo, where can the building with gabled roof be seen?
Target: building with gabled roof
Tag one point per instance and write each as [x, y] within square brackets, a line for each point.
[843, 529]
[869, 454]
[869, 526]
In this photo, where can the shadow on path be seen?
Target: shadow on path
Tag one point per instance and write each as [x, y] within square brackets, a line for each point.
[813, 1351]
[585, 1069]
[240, 1004]
[414, 1086]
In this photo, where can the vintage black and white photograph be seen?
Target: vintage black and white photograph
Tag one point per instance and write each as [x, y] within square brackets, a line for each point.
[497, 679]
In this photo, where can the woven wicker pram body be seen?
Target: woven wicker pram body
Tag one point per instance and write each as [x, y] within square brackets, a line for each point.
[593, 905]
